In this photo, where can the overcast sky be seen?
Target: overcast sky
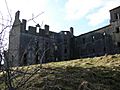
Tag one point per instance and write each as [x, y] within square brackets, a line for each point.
[82, 15]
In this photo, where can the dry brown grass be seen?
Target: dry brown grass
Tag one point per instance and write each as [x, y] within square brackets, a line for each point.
[98, 73]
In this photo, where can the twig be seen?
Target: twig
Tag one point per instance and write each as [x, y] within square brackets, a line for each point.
[8, 10]
[35, 16]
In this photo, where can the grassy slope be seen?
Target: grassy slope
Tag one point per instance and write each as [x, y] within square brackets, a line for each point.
[99, 73]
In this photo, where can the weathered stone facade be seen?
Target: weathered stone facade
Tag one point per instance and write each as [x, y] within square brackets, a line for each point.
[35, 44]
[105, 40]
[30, 46]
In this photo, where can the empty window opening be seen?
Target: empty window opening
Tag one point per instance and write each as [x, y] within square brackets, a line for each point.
[104, 49]
[117, 30]
[37, 30]
[93, 38]
[56, 59]
[12, 58]
[25, 59]
[118, 44]
[104, 34]
[36, 59]
[65, 50]
[65, 33]
[116, 15]
[83, 40]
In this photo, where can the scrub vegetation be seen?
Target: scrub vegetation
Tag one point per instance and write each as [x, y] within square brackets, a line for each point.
[98, 73]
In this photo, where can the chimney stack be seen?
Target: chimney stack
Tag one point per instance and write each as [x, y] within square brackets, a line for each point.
[71, 30]
[46, 29]
[17, 15]
[24, 24]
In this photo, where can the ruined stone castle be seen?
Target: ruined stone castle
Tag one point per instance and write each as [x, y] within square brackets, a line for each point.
[36, 45]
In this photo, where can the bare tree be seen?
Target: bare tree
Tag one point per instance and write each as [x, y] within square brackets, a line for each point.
[10, 74]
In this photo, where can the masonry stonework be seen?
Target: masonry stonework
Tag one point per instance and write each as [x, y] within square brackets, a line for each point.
[36, 45]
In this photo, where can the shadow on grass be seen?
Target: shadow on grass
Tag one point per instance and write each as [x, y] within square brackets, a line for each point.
[76, 78]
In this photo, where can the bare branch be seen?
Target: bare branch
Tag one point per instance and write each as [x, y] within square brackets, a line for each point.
[33, 19]
[35, 16]
[8, 10]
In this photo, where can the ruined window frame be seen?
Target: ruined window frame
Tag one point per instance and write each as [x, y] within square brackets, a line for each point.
[104, 49]
[83, 40]
[37, 29]
[104, 34]
[118, 44]
[93, 38]
[117, 29]
[65, 33]
[25, 61]
[117, 16]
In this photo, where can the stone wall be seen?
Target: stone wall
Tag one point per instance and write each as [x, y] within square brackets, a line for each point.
[29, 46]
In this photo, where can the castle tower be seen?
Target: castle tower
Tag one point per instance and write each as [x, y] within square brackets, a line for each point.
[115, 14]
[115, 24]
[14, 41]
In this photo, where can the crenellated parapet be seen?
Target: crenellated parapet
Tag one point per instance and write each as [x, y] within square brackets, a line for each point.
[34, 30]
